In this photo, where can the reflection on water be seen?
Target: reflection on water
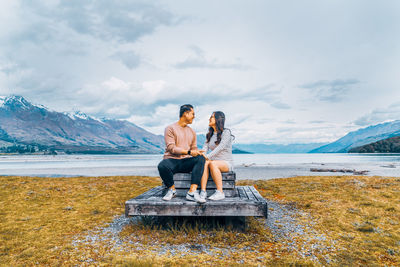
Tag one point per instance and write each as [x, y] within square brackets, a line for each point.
[251, 166]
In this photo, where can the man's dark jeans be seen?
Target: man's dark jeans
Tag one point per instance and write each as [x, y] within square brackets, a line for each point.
[168, 167]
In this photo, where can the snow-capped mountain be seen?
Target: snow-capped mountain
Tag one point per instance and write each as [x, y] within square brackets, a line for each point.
[23, 123]
[361, 137]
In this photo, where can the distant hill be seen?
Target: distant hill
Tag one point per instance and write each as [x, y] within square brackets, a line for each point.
[361, 137]
[389, 145]
[277, 148]
[25, 127]
[236, 150]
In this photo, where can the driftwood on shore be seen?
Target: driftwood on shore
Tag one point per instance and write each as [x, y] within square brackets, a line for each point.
[340, 170]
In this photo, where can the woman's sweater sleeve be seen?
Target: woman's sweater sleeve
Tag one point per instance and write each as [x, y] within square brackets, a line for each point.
[225, 142]
[205, 146]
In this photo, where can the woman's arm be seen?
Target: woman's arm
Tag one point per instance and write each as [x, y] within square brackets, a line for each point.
[205, 146]
[225, 142]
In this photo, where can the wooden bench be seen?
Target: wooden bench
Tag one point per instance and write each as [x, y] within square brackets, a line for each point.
[240, 201]
[182, 183]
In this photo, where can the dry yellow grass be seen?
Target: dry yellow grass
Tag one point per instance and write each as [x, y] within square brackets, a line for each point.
[360, 213]
[40, 218]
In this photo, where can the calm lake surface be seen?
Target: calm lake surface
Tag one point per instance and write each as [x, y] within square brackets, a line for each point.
[247, 166]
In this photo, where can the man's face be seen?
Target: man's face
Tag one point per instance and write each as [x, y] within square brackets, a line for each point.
[189, 116]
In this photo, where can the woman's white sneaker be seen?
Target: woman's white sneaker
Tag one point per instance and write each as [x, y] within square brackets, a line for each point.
[203, 194]
[218, 195]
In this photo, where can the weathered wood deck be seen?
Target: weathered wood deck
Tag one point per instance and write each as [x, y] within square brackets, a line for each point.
[246, 202]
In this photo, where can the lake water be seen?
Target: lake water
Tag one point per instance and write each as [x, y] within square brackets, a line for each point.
[247, 166]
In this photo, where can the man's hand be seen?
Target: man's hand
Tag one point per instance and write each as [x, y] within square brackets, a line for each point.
[194, 153]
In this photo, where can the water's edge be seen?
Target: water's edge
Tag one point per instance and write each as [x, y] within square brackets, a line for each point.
[247, 166]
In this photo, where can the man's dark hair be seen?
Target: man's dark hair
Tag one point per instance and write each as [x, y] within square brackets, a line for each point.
[184, 108]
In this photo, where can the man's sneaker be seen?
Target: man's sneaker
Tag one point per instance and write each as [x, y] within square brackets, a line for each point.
[203, 194]
[169, 195]
[195, 197]
[218, 195]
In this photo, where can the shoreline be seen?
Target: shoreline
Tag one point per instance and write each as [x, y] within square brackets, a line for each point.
[248, 172]
[247, 166]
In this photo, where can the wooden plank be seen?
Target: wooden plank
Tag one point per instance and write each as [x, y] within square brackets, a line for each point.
[231, 176]
[241, 192]
[249, 193]
[198, 210]
[256, 194]
[260, 199]
[181, 207]
[228, 192]
[210, 184]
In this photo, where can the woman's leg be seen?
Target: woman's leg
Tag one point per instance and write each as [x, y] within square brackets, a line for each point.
[204, 178]
[216, 167]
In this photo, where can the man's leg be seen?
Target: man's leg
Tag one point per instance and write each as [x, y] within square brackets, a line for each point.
[204, 178]
[196, 166]
[198, 170]
[167, 168]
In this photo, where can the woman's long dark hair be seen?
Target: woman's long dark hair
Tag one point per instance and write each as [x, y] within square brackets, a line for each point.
[219, 124]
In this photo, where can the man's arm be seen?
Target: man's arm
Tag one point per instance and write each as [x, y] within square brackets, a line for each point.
[169, 138]
[193, 144]
[194, 151]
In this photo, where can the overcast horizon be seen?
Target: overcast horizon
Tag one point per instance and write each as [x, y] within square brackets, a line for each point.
[283, 72]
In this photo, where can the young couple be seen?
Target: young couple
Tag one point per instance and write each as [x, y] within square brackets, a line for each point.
[182, 155]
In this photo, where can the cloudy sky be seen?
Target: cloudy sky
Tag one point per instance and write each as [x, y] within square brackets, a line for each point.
[282, 71]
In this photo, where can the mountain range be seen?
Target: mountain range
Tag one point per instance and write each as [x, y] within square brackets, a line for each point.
[23, 124]
[278, 148]
[25, 127]
[361, 137]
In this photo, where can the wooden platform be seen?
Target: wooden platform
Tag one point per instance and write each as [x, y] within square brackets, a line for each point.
[246, 202]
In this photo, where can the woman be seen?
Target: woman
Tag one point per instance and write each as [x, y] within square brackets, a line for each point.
[218, 147]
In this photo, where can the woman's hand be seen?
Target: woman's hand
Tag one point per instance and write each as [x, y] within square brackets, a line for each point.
[204, 155]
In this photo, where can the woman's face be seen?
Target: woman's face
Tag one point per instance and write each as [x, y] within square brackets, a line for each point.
[211, 121]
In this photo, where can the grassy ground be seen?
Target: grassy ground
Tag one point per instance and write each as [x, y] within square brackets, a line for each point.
[47, 221]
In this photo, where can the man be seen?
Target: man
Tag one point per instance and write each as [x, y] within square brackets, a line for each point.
[181, 155]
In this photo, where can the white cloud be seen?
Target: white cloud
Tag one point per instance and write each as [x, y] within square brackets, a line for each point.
[380, 115]
[129, 58]
[199, 60]
[140, 60]
[331, 91]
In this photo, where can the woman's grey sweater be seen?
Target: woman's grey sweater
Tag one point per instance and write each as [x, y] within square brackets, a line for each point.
[222, 151]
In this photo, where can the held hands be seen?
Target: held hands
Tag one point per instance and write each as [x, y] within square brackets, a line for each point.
[195, 153]
[203, 153]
